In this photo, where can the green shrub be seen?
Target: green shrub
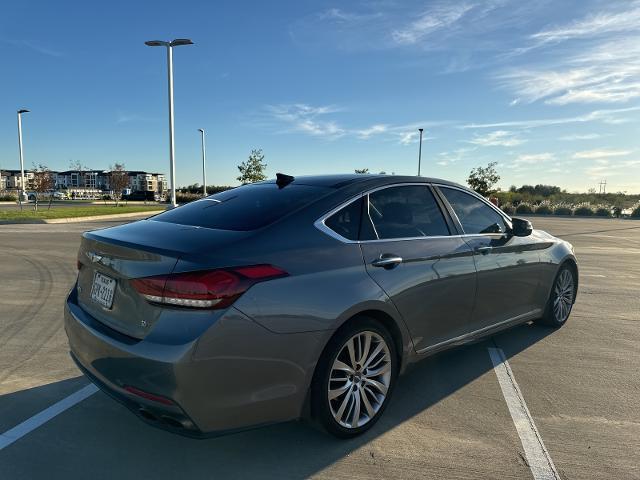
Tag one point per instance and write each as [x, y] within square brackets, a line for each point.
[544, 208]
[508, 209]
[603, 212]
[8, 197]
[562, 210]
[187, 197]
[524, 207]
[583, 211]
[636, 212]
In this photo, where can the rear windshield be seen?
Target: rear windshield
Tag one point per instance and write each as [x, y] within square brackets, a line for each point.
[244, 208]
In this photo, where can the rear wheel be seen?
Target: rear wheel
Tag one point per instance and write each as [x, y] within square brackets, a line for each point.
[561, 298]
[355, 378]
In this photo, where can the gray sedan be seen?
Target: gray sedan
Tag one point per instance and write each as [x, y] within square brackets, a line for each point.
[302, 297]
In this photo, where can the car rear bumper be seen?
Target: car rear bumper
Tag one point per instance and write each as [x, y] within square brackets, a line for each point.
[235, 376]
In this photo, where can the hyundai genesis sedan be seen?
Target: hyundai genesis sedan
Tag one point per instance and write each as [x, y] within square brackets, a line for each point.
[302, 297]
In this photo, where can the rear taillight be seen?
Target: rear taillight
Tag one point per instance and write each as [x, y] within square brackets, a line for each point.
[204, 289]
[149, 396]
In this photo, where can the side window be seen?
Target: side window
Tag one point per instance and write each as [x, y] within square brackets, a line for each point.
[474, 215]
[405, 212]
[346, 221]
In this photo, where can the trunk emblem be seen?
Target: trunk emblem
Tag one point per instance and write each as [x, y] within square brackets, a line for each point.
[95, 258]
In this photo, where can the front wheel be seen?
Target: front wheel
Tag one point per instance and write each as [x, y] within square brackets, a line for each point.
[560, 303]
[355, 378]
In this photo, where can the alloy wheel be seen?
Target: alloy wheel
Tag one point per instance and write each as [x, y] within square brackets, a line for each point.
[563, 295]
[359, 380]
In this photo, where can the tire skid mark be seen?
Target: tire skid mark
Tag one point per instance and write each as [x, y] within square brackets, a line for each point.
[47, 326]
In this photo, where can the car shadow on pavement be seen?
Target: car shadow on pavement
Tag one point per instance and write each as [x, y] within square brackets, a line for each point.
[102, 437]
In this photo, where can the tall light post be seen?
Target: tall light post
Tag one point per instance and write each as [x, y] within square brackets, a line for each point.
[20, 112]
[420, 151]
[204, 162]
[169, 45]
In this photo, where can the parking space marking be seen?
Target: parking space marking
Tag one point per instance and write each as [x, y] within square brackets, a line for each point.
[29, 425]
[538, 457]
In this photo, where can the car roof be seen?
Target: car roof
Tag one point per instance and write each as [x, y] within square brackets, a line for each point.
[371, 180]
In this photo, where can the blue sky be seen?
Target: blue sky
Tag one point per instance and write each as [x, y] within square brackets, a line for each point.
[550, 90]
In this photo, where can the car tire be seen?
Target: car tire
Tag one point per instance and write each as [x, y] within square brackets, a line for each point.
[561, 298]
[348, 399]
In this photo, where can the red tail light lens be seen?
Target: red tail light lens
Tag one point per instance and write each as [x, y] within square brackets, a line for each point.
[149, 396]
[204, 289]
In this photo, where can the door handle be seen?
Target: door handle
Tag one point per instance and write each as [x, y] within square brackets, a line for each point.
[387, 261]
[483, 250]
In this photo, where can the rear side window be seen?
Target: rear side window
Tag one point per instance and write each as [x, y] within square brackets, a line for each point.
[244, 208]
[406, 212]
[346, 221]
[474, 215]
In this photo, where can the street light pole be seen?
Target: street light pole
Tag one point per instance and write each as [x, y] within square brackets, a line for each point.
[20, 112]
[169, 45]
[204, 162]
[420, 151]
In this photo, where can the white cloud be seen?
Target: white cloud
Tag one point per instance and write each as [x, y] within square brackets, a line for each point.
[339, 15]
[529, 160]
[598, 24]
[317, 121]
[586, 136]
[611, 116]
[603, 67]
[449, 157]
[601, 153]
[371, 131]
[304, 118]
[435, 18]
[498, 138]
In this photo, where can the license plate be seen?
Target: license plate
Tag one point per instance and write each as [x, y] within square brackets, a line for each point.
[103, 289]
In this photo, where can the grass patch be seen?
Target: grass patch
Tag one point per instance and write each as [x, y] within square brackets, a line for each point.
[27, 212]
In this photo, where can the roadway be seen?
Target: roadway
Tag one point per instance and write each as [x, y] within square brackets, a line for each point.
[448, 418]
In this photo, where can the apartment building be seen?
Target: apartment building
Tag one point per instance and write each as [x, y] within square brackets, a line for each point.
[87, 182]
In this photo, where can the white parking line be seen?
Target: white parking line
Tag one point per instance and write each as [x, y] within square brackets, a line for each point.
[540, 462]
[19, 431]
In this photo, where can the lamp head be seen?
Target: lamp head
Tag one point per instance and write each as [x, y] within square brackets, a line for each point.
[180, 41]
[156, 43]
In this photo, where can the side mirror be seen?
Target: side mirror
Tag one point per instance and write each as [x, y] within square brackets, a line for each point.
[521, 227]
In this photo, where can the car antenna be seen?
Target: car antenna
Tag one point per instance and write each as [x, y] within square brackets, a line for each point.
[282, 180]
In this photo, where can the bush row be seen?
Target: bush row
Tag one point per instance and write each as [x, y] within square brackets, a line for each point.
[547, 208]
[8, 197]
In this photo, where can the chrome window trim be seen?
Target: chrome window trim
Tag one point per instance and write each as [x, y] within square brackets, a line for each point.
[320, 222]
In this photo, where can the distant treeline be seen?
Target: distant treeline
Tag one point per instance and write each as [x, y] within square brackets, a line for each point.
[539, 193]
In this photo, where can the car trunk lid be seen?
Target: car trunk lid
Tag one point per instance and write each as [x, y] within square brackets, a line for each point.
[109, 259]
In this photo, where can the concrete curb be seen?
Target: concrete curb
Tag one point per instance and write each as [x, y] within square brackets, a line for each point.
[40, 221]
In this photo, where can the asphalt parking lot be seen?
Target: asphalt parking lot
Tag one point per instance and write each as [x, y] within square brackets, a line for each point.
[448, 417]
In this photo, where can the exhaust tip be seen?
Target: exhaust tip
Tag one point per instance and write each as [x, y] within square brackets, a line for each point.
[173, 422]
[147, 415]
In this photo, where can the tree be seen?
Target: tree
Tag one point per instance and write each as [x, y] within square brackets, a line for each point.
[482, 179]
[118, 181]
[43, 182]
[362, 170]
[77, 165]
[253, 169]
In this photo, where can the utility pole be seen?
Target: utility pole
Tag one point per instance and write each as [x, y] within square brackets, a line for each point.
[172, 164]
[204, 162]
[420, 151]
[22, 194]
[603, 187]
